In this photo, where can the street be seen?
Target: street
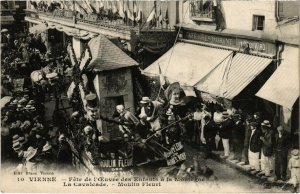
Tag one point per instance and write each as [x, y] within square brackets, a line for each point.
[229, 179]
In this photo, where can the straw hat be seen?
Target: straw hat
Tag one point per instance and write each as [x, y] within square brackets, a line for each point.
[266, 123]
[15, 137]
[46, 147]
[17, 146]
[30, 153]
[145, 100]
[22, 140]
[51, 75]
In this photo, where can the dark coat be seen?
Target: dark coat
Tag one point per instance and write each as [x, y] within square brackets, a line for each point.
[247, 136]
[238, 132]
[225, 130]
[268, 143]
[209, 130]
[282, 144]
[255, 142]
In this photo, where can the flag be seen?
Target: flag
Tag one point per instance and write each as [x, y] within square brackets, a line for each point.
[121, 9]
[79, 8]
[134, 9]
[34, 4]
[71, 90]
[166, 19]
[139, 16]
[91, 6]
[152, 15]
[162, 78]
[160, 17]
[114, 7]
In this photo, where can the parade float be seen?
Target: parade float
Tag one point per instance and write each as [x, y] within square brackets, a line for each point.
[100, 140]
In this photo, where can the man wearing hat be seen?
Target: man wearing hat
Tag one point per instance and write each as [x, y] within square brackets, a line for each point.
[91, 107]
[225, 133]
[282, 143]
[30, 164]
[268, 139]
[254, 146]
[294, 166]
[126, 117]
[237, 137]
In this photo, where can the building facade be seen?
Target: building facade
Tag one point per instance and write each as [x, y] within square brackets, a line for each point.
[250, 33]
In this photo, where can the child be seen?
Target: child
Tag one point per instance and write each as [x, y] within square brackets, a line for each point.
[294, 168]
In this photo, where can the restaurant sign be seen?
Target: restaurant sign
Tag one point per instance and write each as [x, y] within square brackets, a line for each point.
[230, 41]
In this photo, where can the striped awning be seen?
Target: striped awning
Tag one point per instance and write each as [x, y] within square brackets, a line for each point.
[187, 63]
[283, 86]
[229, 79]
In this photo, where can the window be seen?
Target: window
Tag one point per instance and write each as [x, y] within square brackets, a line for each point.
[202, 9]
[258, 22]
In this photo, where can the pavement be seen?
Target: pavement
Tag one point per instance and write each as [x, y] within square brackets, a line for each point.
[246, 170]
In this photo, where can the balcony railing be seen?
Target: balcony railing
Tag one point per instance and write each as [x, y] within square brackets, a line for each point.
[95, 20]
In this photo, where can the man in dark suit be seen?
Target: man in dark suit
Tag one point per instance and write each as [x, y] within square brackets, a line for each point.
[254, 146]
[281, 152]
[268, 139]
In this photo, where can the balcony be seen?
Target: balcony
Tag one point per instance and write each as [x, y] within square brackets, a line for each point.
[115, 27]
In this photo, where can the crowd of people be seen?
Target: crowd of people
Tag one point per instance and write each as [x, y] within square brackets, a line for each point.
[27, 138]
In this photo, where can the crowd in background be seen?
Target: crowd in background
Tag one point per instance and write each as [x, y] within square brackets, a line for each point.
[27, 138]
[247, 139]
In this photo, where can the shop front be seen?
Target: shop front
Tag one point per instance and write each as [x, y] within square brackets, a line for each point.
[228, 68]
[282, 88]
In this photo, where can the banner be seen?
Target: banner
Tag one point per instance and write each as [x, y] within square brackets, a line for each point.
[175, 155]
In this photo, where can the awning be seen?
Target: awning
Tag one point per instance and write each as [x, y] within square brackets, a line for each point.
[229, 79]
[107, 56]
[283, 86]
[187, 63]
[37, 29]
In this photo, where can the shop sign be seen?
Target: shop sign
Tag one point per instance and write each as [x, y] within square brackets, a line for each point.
[235, 42]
